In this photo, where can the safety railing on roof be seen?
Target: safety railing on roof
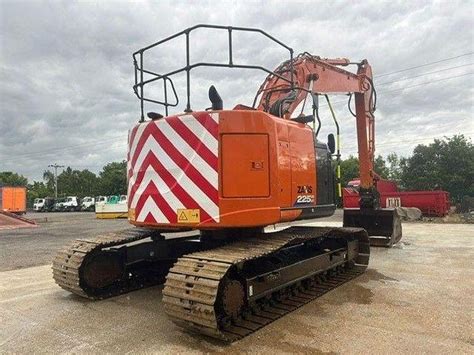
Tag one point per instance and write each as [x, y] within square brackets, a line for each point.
[140, 71]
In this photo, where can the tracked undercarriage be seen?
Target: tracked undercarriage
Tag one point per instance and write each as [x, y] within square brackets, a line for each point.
[116, 263]
[225, 290]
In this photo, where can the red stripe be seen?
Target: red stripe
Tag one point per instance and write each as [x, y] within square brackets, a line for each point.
[178, 158]
[131, 136]
[150, 159]
[188, 136]
[141, 141]
[133, 132]
[204, 118]
[186, 166]
[170, 181]
[149, 218]
[163, 206]
[208, 123]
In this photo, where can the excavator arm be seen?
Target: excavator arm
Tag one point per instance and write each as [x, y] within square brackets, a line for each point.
[311, 75]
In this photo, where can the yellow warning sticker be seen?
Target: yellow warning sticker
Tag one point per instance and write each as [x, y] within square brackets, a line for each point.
[131, 214]
[189, 215]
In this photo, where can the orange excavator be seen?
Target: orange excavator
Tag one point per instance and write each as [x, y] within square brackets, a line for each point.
[203, 185]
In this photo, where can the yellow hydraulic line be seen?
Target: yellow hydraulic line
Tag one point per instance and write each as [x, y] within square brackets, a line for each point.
[338, 148]
[339, 191]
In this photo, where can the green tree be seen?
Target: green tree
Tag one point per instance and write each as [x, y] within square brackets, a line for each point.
[48, 177]
[89, 183]
[77, 183]
[38, 190]
[446, 163]
[350, 169]
[8, 178]
[113, 179]
[380, 167]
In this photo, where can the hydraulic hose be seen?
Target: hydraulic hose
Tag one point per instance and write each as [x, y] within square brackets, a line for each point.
[338, 148]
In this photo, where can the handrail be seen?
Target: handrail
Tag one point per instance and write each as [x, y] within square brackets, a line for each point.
[140, 83]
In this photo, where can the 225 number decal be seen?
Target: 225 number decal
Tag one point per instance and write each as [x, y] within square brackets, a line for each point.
[304, 199]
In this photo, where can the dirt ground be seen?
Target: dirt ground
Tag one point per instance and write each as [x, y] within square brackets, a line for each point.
[414, 298]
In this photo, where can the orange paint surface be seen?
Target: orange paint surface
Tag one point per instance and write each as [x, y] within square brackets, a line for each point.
[13, 199]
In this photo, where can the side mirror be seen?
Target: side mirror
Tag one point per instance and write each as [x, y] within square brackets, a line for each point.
[331, 143]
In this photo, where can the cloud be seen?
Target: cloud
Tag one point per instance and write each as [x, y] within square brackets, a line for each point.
[66, 69]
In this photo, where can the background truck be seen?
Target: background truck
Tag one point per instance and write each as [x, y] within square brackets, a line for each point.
[45, 204]
[431, 203]
[100, 200]
[88, 203]
[13, 199]
[38, 204]
[115, 207]
[71, 204]
[59, 204]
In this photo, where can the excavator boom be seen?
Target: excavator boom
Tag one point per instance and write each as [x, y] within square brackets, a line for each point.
[311, 75]
[227, 174]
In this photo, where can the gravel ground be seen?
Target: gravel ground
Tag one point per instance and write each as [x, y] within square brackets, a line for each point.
[28, 247]
[414, 298]
[37, 246]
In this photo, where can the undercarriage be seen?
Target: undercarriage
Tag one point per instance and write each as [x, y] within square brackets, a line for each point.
[224, 288]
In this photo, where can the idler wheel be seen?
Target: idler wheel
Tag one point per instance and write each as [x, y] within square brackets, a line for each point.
[233, 298]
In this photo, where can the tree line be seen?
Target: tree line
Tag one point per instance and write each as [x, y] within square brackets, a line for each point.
[446, 164]
[111, 180]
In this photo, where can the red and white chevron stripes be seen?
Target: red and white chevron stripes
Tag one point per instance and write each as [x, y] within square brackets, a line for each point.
[173, 164]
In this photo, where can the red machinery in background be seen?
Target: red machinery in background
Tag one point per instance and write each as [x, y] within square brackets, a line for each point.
[431, 203]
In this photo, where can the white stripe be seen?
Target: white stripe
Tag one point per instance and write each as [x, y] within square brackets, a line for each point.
[133, 147]
[138, 135]
[198, 129]
[215, 117]
[151, 207]
[129, 162]
[163, 189]
[201, 132]
[191, 155]
[188, 185]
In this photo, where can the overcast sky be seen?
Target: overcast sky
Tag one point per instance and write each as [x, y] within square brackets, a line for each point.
[66, 69]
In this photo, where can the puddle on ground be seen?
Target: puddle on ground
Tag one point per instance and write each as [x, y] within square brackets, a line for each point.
[374, 275]
[354, 293]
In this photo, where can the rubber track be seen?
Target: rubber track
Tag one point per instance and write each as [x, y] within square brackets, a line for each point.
[68, 261]
[191, 288]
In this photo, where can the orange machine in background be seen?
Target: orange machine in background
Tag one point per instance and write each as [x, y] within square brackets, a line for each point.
[13, 199]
